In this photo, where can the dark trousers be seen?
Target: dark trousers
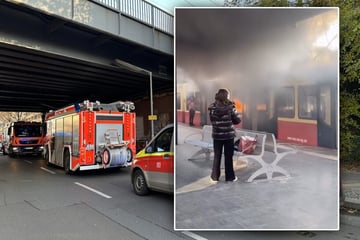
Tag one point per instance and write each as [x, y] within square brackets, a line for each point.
[191, 116]
[228, 146]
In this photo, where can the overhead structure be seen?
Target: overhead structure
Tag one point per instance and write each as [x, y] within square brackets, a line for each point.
[48, 62]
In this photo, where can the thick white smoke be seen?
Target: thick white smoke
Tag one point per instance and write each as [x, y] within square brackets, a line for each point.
[244, 49]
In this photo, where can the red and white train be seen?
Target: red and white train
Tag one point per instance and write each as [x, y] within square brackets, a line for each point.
[300, 113]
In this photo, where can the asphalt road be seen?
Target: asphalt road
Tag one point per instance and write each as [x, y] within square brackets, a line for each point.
[42, 202]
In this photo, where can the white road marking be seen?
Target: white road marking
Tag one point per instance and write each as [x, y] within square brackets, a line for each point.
[47, 170]
[93, 190]
[28, 161]
[194, 236]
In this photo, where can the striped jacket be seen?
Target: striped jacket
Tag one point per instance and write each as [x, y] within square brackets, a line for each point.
[222, 117]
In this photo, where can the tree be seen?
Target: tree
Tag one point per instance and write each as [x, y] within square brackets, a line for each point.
[7, 117]
[349, 79]
[299, 3]
[273, 3]
[322, 3]
[349, 125]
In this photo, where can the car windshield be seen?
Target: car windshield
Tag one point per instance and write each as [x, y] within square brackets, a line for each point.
[163, 142]
[27, 131]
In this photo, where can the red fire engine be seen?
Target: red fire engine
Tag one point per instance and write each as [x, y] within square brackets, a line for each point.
[24, 138]
[91, 135]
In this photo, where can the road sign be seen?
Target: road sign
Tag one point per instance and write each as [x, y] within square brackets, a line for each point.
[152, 117]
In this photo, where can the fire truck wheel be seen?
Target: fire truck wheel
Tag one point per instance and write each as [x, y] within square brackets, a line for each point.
[106, 157]
[139, 184]
[129, 155]
[67, 161]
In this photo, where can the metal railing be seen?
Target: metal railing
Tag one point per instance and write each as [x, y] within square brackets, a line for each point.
[163, 21]
[109, 3]
[142, 11]
[137, 9]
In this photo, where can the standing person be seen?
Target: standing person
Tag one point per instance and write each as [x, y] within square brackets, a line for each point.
[222, 116]
[191, 111]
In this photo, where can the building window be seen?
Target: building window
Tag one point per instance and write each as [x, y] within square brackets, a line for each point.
[285, 102]
[307, 102]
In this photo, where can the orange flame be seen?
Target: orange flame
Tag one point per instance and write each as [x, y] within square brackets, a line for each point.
[240, 107]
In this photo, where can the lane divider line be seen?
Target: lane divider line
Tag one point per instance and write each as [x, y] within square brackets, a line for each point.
[28, 161]
[93, 190]
[194, 236]
[47, 170]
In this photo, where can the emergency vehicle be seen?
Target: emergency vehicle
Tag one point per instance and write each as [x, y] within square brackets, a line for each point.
[153, 167]
[91, 135]
[24, 138]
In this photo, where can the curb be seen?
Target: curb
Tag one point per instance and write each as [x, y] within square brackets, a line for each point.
[350, 220]
[351, 205]
[346, 217]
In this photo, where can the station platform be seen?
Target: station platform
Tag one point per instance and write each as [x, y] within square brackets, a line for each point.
[307, 200]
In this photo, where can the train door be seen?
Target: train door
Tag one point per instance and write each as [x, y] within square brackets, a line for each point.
[327, 117]
[266, 112]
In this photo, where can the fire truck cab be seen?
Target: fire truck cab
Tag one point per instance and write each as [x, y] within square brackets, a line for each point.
[90, 135]
[23, 138]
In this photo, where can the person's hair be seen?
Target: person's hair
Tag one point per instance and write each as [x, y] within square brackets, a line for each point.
[222, 95]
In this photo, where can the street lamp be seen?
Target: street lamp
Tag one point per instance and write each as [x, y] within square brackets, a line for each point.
[134, 68]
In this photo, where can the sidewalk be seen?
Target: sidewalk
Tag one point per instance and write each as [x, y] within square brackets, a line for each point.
[350, 206]
[351, 188]
[307, 200]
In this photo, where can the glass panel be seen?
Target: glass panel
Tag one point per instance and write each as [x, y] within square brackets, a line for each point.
[163, 141]
[324, 106]
[285, 102]
[307, 102]
[28, 131]
[178, 101]
[193, 101]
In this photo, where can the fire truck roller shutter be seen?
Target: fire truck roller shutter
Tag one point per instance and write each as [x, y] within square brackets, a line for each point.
[66, 161]
[115, 156]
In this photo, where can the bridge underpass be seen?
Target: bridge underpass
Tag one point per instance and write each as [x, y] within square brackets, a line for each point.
[48, 61]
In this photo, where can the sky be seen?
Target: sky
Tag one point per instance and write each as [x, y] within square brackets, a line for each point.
[241, 49]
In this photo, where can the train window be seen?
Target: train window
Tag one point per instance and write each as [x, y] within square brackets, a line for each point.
[285, 102]
[193, 101]
[178, 103]
[307, 102]
[190, 101]
[197, 101]
[324, 105]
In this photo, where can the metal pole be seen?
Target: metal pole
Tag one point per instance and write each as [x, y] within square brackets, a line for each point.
[151, 105]
[139, 69]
